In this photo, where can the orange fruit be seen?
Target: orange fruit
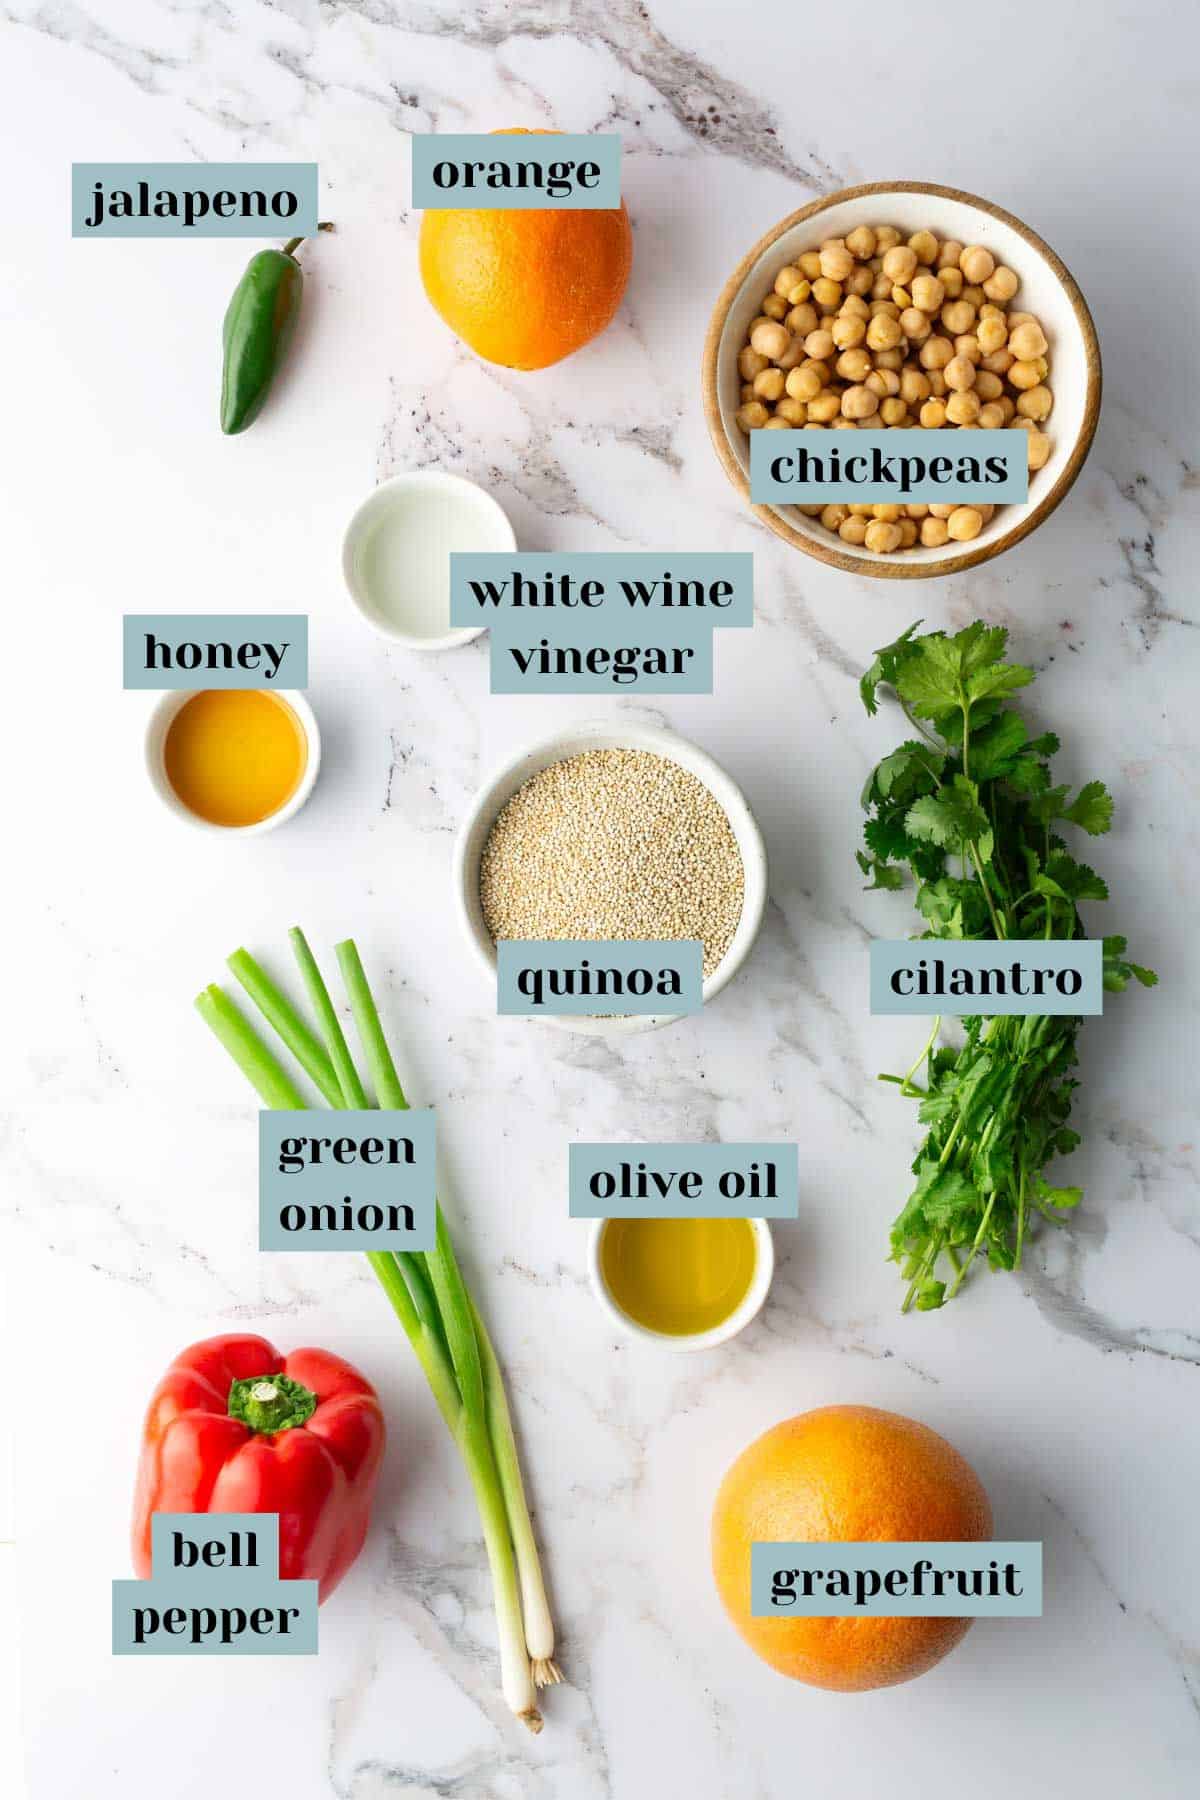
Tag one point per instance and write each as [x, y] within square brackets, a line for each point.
[522, 288]
[844, 1474]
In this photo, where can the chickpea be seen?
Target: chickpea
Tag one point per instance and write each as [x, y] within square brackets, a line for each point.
[820, 368]
[988, 386]
[916, 509]
[861, 242]
[908, 533]
[928, 293]
[967, 344]
[774, 423]
[936, 352]
[862, 511]
[746, 392]
[915, 324]
[1001, 285]
[887, 306]
[932, 415]
[810, 264]
[843, 424]
[923, 245]
[883, 536]
[914, 386]
[999, 362]
[937, 384]
[963, 408]
[885, 237]
[794, 411]
[786, 280]
[770, 339]
[952, 281]
[855, 307]
[800, 292]
[958, 315]
[901, 297]
[792, 355]
[833, 515]
[960, 373]
[803, 318]
[949, 253]
[1020, 318]
[750, 363]
[881, 287]
[886, 511]
[803, 384]
[837, 259]
[899, 263]
[1008, 407]
[853, 530]
[975, 295]
[853, 365]
[934, 533]
[964, 524]
[847, 330]
[940, 512]
[827, 294]
[774, 306]
[813, 425]
[992, 334]
[884, 382]
[859, 403]
[890, 359]
[1039, 449]
[894, 412]
[859, 280]
[1024, 375]
[883, 333]
[991, 417]
[819, 343]
[826, 406]
[752, 416]
[1028, 342]
[1035, 403]
[810, 512]
[768, 385]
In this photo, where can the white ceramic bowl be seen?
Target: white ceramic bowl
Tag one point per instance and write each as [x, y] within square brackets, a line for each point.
[165, 709]
[438, 513]
[1047, 289]
[602, 734]
[751, 1306]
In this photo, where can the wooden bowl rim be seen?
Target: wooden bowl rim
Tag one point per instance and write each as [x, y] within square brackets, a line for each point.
[891, 568]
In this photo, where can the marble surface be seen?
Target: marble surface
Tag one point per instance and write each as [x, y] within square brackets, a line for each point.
[129, 1199]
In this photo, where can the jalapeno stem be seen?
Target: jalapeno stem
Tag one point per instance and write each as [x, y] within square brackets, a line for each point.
[293, 244]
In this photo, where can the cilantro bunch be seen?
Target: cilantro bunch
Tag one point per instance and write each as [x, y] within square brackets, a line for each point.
[970, 807]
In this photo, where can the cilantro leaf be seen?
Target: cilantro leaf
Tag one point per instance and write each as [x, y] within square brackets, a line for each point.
[1091, 809]
[887, 663]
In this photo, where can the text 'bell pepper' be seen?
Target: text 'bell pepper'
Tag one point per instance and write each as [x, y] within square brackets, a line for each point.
[233, 1426]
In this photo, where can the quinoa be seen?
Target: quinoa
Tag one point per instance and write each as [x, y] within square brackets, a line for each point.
[613, 844]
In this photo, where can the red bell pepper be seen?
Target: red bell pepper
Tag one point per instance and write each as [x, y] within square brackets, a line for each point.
[235, 1427]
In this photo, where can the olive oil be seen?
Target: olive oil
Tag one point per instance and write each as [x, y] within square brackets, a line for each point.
[678, 1276]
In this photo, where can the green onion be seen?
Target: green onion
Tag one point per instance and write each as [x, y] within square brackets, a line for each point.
[426, 1291]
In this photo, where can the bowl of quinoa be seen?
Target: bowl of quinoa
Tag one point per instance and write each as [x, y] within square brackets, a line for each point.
[612, 831]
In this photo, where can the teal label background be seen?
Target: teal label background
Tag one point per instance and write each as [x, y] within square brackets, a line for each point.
[514, 956]
[766, 489]
[203, 179]
[429, 148]
[205, 1593]
[1085, 955]
[413, 1184]
[710, 1161]
[233, 629]
[611, 623]
[878, 1559]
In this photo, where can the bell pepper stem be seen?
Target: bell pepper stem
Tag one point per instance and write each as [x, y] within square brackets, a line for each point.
[271, 1404]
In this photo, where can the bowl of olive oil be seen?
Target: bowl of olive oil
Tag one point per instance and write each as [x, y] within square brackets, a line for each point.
[684, 1284]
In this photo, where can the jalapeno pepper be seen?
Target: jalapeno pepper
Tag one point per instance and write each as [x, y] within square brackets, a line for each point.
[259, 323]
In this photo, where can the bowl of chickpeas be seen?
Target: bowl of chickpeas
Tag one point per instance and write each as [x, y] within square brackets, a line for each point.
[897, 306]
